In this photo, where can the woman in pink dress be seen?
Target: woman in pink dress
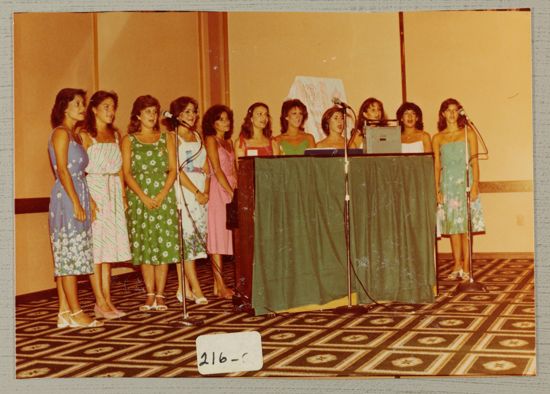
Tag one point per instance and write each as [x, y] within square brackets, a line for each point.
[217, 126]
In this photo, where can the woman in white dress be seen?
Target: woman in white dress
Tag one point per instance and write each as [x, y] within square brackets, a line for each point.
[413, 138]
[191, 193]
[105, 180]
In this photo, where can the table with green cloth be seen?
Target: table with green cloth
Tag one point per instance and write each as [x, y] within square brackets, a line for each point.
[299, 248]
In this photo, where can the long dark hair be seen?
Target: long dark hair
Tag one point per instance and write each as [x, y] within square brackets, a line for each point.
[366, 104]
[406, 106]
[62, 100]
[247, 129]
[285, 109]
[442, 122]
[177, 107]
[140, 104]
[96, 99]
[212, 115]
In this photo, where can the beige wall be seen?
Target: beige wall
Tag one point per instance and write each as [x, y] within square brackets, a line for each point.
[267, 50]
[483, 59]
[130, 53]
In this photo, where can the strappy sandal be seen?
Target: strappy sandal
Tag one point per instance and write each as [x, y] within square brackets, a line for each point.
[465, 276]
[63, 322]
[75, 324]
[151, 307]
[162, 307]
[455, 275]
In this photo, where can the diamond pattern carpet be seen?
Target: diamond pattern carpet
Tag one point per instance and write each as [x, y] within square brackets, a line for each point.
[467, 334]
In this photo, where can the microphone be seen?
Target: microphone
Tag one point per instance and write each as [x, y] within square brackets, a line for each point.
[463, 113]
[337, 101]
[168, 115]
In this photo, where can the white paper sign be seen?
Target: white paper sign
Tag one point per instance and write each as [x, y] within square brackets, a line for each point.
[226, 353]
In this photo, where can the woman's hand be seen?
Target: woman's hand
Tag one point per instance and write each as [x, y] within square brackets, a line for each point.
[93, 209]
[125, 203]
[79, 212]
[149, 202]
[201, 198]
[474, 192]
[159, 198]
[439, 197]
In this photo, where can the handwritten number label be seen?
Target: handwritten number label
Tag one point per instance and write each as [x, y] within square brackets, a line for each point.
[226, 353]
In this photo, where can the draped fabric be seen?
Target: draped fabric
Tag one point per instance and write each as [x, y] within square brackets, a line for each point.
[299, 241]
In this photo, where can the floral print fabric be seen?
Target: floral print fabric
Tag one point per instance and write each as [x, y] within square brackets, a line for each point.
[153, 233]
[452, 214]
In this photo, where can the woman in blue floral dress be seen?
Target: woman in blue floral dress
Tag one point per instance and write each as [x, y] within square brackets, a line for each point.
[70, 212]
[450, 178]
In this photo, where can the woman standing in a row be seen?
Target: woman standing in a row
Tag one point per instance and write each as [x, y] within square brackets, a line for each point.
[293, 139]
[192, 194]
[449, 146]
[217, 126]
[149, 165]
[70, 214]
[255, 137]
[106, 183]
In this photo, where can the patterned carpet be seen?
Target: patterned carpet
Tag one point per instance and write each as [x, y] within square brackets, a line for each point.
[469, 334]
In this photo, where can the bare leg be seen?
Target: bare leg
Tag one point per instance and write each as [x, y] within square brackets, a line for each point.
[63, 304]
[97, 287]
[106, 284]
[456, 246]
[148, 272]
[161, 272]
[70, 291]
[187, 291]
[191, 275]
[219, 285]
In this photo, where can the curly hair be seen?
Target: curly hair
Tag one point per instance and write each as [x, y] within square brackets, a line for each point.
[366, 104]
[139, 105]
[212, 115]
[247, 129]
[96, 99]
[62, 100]
[176, 108]
[285, 109]
[442, 122]
[408, 106]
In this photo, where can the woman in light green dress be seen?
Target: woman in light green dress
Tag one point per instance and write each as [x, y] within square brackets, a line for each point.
[149, 166]
[450, 177]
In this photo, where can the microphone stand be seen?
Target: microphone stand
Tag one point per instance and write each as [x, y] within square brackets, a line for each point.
[349, 308]
[186, 320]
[471, 285]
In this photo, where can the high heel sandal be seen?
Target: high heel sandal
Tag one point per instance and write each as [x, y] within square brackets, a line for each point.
[119, 312]
[197, 300]
[151, 307]
[162, 307]
[100, 313]
[75, 324]
[179, 296]
[455, 275]
[465, 276]
[61, 321]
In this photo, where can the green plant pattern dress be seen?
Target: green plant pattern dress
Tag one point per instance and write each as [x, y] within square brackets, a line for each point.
[153, 233]
[453, 218]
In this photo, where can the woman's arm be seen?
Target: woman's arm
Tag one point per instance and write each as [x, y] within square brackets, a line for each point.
[427, 142]
[60, 141]
[212, 152]
[310, 140]
[129, 178]
[437, 168]
[472, 139]
[121, 177]
[275, 147]
[170, 171]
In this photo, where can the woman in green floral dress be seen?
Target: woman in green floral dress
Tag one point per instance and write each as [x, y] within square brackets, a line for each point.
[450, 178]
[149, 165]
